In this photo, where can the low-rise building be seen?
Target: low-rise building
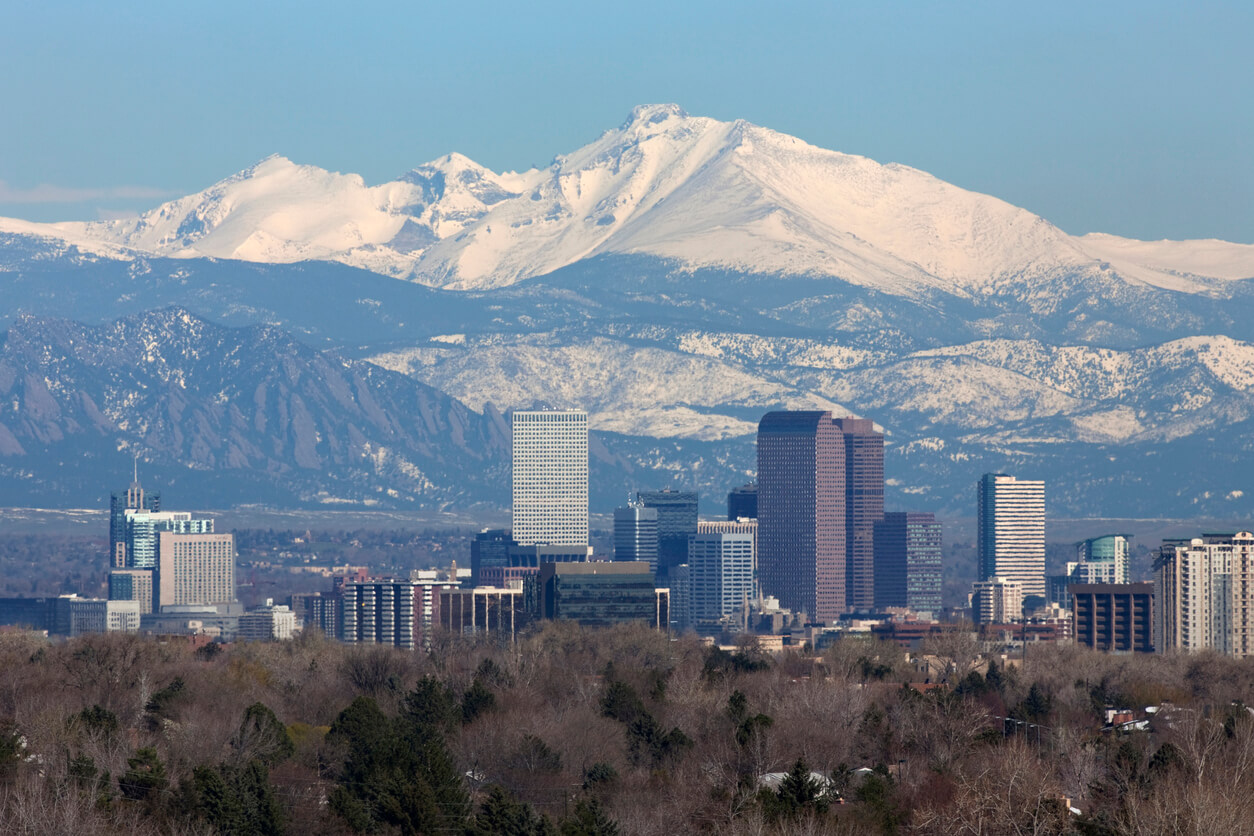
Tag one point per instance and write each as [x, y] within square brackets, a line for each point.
[1114, 617]
[269, 623]
[598, 594]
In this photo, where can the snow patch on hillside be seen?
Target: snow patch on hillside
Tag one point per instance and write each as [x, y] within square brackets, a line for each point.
[625, 388]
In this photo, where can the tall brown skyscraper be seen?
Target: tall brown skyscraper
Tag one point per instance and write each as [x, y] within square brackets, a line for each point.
[801, 512]
[864, 507]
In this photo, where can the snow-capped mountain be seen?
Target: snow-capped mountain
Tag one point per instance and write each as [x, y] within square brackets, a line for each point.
[677, 278]
[780, 206]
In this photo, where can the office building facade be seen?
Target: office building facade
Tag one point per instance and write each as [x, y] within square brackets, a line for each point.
[143, 530]
[489, 550]
[132, 585]
[801, 512]
[908, 561]
[482, 610]
[271, 623]
[1011, 531]
[380, 612]
[550, 477]
[597, 594]
[864, 507]
[195, 569]
[1101, 560]
[134, 498]
[676, 519]
[636, 535]
[720, 577]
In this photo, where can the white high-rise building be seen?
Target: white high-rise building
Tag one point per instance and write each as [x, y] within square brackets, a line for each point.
[996, 601]
[1204, 594]
[550, 477]
[1012, 531]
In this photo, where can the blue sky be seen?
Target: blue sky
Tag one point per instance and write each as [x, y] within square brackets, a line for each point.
[1130, 118]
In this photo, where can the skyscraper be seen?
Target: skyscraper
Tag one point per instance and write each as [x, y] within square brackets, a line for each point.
[132, 585]
[550, 477]
[143, 528]
[1011, 539]
[676, 519]
[908, 561]
[1204, 594]
[635, 535]
[134, 498]
[801, 512]
[864, 507]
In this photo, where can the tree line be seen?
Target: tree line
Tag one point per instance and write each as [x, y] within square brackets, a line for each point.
[618, 731]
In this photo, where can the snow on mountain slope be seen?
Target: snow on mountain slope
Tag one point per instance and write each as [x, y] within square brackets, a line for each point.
[691, 189]
[1171, 369]
[276, 211]
[1216, 259]
[625, 388]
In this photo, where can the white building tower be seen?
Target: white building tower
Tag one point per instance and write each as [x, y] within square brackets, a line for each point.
[1012, 531]
[550, 477]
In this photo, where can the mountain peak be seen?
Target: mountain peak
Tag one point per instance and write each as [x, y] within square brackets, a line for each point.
[653, 114]
[266, 165]
[689, 189]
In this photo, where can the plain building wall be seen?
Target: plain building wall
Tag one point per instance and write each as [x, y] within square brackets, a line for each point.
[550, 477]
[1011, 537]
[195, 569]
[801, 512]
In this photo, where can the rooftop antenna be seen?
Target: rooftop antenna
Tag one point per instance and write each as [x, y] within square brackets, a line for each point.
[136, 466]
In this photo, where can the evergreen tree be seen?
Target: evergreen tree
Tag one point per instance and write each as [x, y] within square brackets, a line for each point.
[800, 791]
[261, 736]
[144, 776]
[589, 819]
[399, 772]
[500, 814]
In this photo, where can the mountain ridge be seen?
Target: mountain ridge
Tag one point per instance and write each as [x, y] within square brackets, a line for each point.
[785, 207]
